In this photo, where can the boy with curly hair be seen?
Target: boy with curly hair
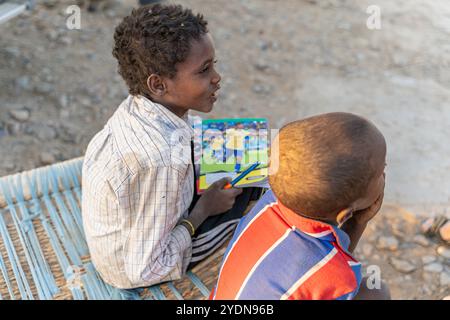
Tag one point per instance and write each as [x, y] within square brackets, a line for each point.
[143, 222]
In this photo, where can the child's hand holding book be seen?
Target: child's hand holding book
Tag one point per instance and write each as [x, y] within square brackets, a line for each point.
[215, 200]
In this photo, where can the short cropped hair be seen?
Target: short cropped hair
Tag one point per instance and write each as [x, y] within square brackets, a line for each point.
[325, 163]
[153, 39]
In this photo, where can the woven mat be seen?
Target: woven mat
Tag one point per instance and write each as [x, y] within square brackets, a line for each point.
[207, 270]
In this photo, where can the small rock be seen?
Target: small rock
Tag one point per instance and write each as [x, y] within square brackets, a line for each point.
[40, 49]
[44, 88]
[49, 3]
[91, 56]
[344, 26]
[400, 59]
[443, 251]
[63, 101]
[12, 52]
[427, 290]
[402, 265]
[434, 267]
[20, 114]
[263, 45]
[360, 56]
[275, 45]
[390, 243]
[46, 133]
[85, 36]
[111, 13]
[68, 134]
[428, 277]
[257, 88]
[23, 83]
[47, 158]
[65, 40]
[49, 79]
[444, 279]
[432, 225]
[367, 249]
[52, 35]
[96, 99]
[426, 226]
[85, 101]
[261, 65]
[64, 114]
[422, 240]
[428, 259]
[14, 128]
[446, 298]
[261, 89]
[444, 231]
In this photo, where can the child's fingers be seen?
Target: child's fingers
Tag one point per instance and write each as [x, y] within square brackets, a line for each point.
[380, 198]
[379, 201]
[376, 206]
[219, 184]
[233, 192]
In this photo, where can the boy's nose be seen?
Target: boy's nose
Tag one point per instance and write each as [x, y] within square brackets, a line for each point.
[216, 79]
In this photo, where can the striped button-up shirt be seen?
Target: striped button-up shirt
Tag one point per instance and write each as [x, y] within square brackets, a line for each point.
[138, 183]
[277, 254]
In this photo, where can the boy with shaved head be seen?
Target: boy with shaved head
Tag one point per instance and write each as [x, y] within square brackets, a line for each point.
[327, 183]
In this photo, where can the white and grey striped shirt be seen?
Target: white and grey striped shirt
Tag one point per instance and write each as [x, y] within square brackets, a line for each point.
[138, 183]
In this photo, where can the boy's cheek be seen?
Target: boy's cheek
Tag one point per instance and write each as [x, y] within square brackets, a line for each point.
[366, 202]
[362, 206]
[375, 192]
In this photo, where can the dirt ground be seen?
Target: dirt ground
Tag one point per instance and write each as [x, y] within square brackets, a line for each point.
[282, 60]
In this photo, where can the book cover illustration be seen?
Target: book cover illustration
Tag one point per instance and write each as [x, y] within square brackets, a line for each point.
[228, 147]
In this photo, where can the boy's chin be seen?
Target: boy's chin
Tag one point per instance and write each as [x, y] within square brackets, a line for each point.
[205, 108]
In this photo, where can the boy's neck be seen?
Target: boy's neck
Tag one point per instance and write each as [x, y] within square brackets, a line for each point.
[180, 112]
[330, 222]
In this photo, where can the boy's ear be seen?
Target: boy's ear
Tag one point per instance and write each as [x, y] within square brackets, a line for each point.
[156, 85]
[344, 215]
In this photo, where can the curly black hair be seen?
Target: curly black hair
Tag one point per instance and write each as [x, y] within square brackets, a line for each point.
[153, 39]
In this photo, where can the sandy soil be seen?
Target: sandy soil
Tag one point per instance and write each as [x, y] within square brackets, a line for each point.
[280, 60]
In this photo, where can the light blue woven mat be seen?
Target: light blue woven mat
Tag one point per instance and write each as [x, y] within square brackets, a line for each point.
[43, 252]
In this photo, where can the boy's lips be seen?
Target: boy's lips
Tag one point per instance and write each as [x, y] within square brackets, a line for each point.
[215, 93]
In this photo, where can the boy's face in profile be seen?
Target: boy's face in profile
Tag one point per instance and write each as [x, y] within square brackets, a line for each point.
[196, 82]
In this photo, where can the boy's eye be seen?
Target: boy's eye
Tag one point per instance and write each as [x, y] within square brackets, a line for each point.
[205, 69]
[208, 67]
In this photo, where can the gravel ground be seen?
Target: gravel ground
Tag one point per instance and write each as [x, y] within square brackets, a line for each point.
[282, 60]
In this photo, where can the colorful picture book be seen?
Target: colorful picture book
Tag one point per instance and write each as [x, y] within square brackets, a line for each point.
[230, 146]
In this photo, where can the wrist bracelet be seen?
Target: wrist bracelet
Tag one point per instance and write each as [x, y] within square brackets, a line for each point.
[189, 225]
